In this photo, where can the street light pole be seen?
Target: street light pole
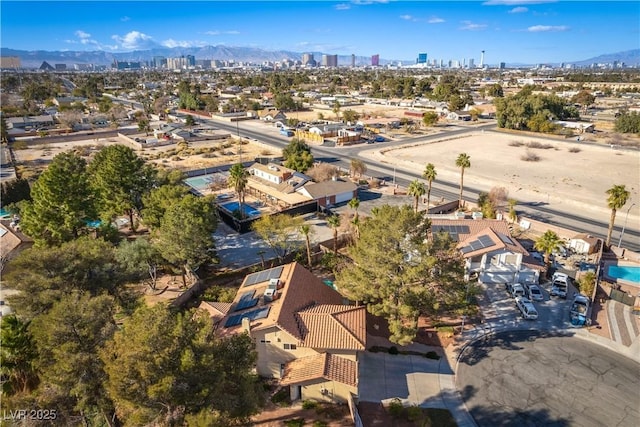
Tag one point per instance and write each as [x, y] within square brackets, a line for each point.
[625, 225]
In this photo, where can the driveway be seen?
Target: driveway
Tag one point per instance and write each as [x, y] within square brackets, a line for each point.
[529, 378]
[413, 379]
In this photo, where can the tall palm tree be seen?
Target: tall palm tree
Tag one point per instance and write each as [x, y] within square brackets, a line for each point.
[618, 197]
[513, 214]
[305, 229]
[463, 161]
[417, 190]
[430, 175]
[334, 222]
[548, 243]
[354, 204]
[238, 179]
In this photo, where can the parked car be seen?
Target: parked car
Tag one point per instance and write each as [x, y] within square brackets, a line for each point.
[527, 308]
[534, 293]
[559, 285]
[578, 311]
[517, 290]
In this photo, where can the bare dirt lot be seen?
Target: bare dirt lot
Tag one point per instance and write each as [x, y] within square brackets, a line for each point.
[566, 172]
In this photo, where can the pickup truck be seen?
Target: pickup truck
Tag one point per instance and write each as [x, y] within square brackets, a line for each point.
[559, 289]
[578, 311]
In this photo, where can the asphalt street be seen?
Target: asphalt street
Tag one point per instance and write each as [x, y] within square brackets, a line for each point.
[449, 190]
[529, 378]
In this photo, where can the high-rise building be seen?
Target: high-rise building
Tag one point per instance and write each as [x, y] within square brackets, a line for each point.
[191, 61]
[353, 61]
[472, 63]
[422, 58]
[375, 60]
[482, 59]
[307, 60]
[329, 60]
[503, 65]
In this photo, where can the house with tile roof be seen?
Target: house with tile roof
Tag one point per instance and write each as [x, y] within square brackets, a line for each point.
[306, 335]
[489, 250]
[330, 192]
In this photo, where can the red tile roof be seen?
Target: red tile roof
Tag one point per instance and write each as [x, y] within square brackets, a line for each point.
[321, 366]
[333, 327]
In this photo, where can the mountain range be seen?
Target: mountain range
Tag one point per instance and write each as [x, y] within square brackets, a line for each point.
[33, 59]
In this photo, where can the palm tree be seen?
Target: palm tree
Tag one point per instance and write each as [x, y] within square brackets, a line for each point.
[238, 179]
[618, 197]
[548, 243]
[354, 204]
[513, 215]
[417, 190]
[463, 161]
[430, 175]
[305, 229]
[334, 222]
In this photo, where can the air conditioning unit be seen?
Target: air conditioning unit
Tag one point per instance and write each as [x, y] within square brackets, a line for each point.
[324, 391]
[270, 295]
[275, 283]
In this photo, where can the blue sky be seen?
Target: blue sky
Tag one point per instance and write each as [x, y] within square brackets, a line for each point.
[514, 31]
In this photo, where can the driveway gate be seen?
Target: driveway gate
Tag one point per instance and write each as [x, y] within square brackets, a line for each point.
[622, 297]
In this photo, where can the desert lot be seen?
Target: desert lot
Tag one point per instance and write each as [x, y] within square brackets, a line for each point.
[567, 172]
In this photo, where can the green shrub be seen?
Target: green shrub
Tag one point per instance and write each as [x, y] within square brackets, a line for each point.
[309, 404]
[20, 145]
[396, 409]
[296, 422]
[320, 424]
[281, 398]
[414, 413]
[393, 350]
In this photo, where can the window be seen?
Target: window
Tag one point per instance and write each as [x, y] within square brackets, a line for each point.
[265, 341]
[290, 346]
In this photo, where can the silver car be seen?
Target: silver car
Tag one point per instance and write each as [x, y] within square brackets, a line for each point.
[535, 293]
[527, 308]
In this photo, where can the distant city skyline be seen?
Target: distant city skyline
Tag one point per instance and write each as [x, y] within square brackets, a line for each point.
[516, 31]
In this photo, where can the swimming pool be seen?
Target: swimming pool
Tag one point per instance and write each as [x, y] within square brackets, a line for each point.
[199, 182]
[4, 213]
[631, 274]
[249, 210]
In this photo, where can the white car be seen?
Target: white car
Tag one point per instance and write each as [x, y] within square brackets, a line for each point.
[527, 308]
[535, 293]
[517, 290]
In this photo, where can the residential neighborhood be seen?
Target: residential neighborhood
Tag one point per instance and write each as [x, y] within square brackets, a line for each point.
[237, 246]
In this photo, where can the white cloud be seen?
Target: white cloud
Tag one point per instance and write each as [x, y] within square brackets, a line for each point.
[84, 38]
[470, 26]
[342, 6]
[135, 40]
[82, 35]
[547, 28]
[218, 32]
[515, 2]
[519, 9]
[171, 43]
[435, 20]
[406, 17]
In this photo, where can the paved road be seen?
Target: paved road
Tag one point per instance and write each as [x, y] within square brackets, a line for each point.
[530, 378]
[449, 190]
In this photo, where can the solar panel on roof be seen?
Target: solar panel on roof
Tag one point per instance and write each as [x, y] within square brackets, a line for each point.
[233, 321]
[263, 276]
[261, 313]
[466, 249]
[454, 230]
[506, 239]
[485, 241]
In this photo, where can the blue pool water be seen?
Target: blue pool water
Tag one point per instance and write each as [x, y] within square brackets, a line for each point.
[3, 213]
[632, 274]
[93, 224]
[248, 209]
[199, 182]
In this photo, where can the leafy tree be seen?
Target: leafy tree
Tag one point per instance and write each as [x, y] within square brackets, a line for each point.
[18, 354]
[628, 123]
[45, 275]
[185, 235]
[587, 283]
[618, 197]
[430, 118]
[306, 231]
[584, 98]
[336, 109]
[526, 111]
[321, 172]
[68, 338]
[4, 130]
[334, 223]
[158, 200]
[189, 120]
[350, 116]
[487, 207]
[15, 191]
[416, 190]
[284, 102]
[463, 161]
[547, 243]
[61, 202]
[164, 365]
[238, 180]
[430, 175]
[358, 167]
[280, 232]
[456, 103]
[354, 204]
[297, 155]
[398, 274]
[139, 257]
[120, 178]
[513, 214]
[495, 90]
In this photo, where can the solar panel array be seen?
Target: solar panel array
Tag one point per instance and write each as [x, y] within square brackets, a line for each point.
[483, 241]
[506, 239]
[236, 319]
[263, 276]
[454, 230]
[246, 300]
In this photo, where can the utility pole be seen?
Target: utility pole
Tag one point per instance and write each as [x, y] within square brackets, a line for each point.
[625, 225]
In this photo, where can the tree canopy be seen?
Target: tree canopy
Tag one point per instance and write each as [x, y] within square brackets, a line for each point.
[297, 155]
[628, 123]
[62, 201]
[163, 365]
[618, 195]
[400, 275]
[280, 232]
[158, 200]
